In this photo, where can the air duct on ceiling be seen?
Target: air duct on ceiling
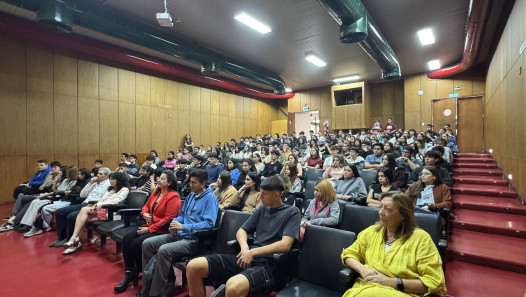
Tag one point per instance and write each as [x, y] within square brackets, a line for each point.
[356, 25]
[112, 23]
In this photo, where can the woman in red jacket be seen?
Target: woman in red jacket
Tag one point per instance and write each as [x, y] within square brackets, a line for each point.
[162, 207]
[429, 194]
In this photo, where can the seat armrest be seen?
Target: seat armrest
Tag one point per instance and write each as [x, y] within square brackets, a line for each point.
[233, 244]
[130, 211]
[293, 254]
[348, 275]
[205, 232]
[442, 244]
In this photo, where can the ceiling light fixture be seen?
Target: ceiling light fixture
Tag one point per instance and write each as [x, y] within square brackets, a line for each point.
[433, 64]
[346, 79]
[314, 59]
[288, 90]
[253, 23]
[164, 18]
[426, 36]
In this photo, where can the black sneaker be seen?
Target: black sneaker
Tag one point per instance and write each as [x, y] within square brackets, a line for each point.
[23, 229]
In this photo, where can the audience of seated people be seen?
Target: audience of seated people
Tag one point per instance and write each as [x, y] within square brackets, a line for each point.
[266, 186]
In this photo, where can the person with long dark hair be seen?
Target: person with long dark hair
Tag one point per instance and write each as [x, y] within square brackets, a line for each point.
[246, 167]
[429, 194]
[248, 198]
[225, 191]
[384, 178]
[162, 207]
[116, 194]
[350, 187]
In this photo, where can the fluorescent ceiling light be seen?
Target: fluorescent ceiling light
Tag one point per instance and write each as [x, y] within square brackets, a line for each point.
[288, 90]
[346, 78]
[314, 59]
[433, 64]
[426, 36]
[253, 23]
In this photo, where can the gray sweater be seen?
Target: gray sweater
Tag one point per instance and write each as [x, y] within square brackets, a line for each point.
[354, 187]
[326, 216]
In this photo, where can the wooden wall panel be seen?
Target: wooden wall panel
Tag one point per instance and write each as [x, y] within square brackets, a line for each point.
[215, 101]
[412, 99]
[170, 99]
[232, 127]
[246, 108]
[183, 120]
[158, 119]
[88, 161]
[12, 178]
[111, 160]
[65, 133]
[65, 75]
[126, 86]
[173, 136]
[224, 104]
[108, 83]
[142, 89]
[88, 79]
[294, 104]
[127, 126]
[68, 160]
[183, 97]
[195, 99]
[88, 126]
[205, 101]
[39, 70]
[109, 127]
[444, 88]
[232, 106]
[143, 129]
[157, 91]
[39, 128]
[205, 129]
[315, 99]
[215, 127]
[195, 127]
[239, 107]
[304, 100]
[224, 131]
[240, 127]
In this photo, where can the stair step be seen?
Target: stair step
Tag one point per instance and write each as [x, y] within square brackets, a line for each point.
[485, 190]
[480, 179]
[473, 160]
[490, 222]
[477, 171]
[475, 165]
[488, 203]
[471, 155]
[493, 250]
[470, 280]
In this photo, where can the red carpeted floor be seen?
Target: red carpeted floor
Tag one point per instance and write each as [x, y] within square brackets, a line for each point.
[485, 254]
[31, 268]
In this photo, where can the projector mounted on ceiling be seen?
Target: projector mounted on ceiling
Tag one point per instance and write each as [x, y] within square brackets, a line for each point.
[164, 18]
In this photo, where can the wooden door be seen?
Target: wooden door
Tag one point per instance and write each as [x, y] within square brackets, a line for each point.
[444, 112]
[291, 127]
[470, 124]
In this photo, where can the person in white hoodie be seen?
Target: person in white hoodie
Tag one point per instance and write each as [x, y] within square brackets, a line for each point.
[116, 193]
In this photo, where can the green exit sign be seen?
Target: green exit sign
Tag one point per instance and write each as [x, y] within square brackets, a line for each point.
[453, 95]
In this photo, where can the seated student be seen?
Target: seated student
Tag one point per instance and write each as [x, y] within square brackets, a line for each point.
[429, 194]
[133, 168]
[287, 197]
[292, 159]
[213, 169]
[431, 157]
[225, 191]
[364, 148]
[139, 183]
[323, 210]
[398, 181]
[314, 160]
[170, 162]
[162, 207]
[273, 167]
[180, 172]
[335, 150]
[247, 197]
[335, 171]
[231, 167]
[117, 192]
[198, 212]
[277, 227]
[197, 162]
[291, 171]
[150, 161]
[407, 160]
[390, 125]
[65, 217]
[350, 187]
[124, 159]
[448, 154]
[246, 167]
[98, 165]
[383, 179]
[414, 267]
[282, 157]
[441, 162]
[374, 161]
[32, 187]
[256, 159]
[66, 181]
[83, 179]
[21, 203]
[354, 158]
[156, 160]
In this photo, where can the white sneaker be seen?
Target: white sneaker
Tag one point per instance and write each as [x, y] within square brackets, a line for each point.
[6, 227]
[34, 231]
[11, 220]
[47, 229]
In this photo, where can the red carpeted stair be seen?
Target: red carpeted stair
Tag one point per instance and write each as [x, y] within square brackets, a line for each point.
[486, 248]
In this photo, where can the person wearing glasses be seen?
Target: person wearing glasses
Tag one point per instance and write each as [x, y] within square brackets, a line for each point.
[429, 194]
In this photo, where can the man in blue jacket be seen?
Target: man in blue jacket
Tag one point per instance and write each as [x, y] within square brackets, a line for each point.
[32, 187]
[199, 211]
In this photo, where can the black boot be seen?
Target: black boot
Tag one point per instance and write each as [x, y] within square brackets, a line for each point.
[123, 285]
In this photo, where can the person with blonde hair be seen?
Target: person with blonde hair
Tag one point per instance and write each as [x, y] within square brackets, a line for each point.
[414, 266]
[323, 210]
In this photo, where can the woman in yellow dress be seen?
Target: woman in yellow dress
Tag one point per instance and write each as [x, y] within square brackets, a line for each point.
[394, 257]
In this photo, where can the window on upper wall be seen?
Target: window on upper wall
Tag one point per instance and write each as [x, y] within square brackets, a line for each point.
[348, 96]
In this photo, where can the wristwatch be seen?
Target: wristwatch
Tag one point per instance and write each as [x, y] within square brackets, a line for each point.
[399, 284]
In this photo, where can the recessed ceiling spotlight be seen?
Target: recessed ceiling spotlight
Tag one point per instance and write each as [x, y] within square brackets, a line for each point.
[346, 78]
[253, 23]
[314, 59]
[433, 64]
[426, 36]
